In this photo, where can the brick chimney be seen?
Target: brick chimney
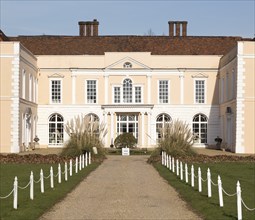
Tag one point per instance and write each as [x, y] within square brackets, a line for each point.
[88, 28]
[177, 28]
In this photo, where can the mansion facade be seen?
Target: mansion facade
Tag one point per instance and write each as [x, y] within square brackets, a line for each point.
[131, 84]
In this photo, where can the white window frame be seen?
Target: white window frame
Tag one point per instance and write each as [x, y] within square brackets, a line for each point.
[30, 84]
[23, 84]
[227, 86]
[133, 93]
[222, 90]
[61, 90]
[86, 83]
[233, 83]
[205, 90]
[113, 94]
[158, 92]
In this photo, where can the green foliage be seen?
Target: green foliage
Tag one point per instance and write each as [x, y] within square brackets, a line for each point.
[177, 139]
[84, 135]
[209, 207]
[33, 209]
[125, 140]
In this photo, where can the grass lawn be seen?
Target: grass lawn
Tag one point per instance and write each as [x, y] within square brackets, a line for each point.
[32, 209]
[230, 173]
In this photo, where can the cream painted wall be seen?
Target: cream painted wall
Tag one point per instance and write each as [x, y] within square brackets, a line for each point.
[5, 126]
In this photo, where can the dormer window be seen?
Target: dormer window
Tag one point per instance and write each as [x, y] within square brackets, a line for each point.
[127, 65]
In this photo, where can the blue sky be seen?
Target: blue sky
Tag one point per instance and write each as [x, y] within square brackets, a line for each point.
[132, 17]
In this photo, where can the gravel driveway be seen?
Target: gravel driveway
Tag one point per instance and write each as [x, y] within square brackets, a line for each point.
[122, 188]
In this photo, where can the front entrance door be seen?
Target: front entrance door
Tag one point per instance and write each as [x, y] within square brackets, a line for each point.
[127, 123]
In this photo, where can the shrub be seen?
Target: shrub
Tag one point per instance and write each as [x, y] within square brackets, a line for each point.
[125, 140]
[84, 135]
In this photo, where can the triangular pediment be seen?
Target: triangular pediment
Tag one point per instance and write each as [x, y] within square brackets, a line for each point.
[128, 63]
[200, 75]
[56, 75]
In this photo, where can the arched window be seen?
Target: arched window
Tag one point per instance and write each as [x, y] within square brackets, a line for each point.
[93, 121]
[127, 91]
[200, 128]
[161, 123]
[56, 129]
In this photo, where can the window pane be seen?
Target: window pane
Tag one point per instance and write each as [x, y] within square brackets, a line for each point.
[200, 91]
[91, 91]
[138, 94]
[127, 91]
[116, 94]
[56, 91]
[163, 91]
[56, 129]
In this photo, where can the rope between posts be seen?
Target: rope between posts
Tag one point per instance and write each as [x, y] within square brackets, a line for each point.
[227, 193]
[203, 179]
[56, 175]
[214, 183]
[37, 181]
[63, 172]
[247, 206]
[46, 177]
[189, 173]
[4, 197]
[195, 175]
[20, 187]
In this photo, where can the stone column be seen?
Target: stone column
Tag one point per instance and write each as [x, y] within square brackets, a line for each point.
[106, 89]
[142, 129]
[149, 89]
[73, 89]
[112, 126]
[181, 89]
[149, 128]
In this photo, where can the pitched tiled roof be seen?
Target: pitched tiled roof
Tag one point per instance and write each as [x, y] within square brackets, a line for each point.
[97, 45]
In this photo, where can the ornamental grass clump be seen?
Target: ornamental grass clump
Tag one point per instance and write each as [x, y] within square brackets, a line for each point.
[84, 135]
[177, 139]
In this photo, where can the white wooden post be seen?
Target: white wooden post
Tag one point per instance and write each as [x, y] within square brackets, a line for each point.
[181, 170]
[86, 159]
[209, 186]
[83, 160]
[15, 193]
[177, 167]
[42, 181]
[31, 185]
[165, 159]
[51, 178]
[186, 173]
[76, 165]
[89, 158]
[66, 171]
[59, 173]
[192, 176]
[199, 180]
[239, 201]
[220, 191]
[162, 157]
[71, 167]
[80, 162]
[173, 169]
[169, 162]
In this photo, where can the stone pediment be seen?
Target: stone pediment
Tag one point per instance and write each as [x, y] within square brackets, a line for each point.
[200, 75]
[56, 75]
[128, 63]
